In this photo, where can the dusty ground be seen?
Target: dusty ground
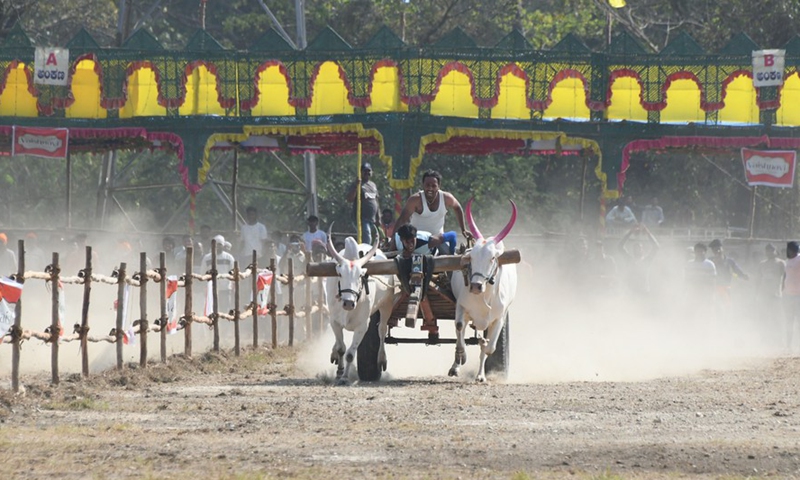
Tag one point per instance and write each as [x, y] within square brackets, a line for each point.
[259, 416]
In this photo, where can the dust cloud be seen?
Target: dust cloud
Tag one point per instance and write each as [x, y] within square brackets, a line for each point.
[570, 322]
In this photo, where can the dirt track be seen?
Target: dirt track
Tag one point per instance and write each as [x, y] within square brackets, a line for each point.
[260, 415]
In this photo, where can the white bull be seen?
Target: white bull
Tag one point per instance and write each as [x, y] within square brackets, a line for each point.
[352, 299]
[491, 290]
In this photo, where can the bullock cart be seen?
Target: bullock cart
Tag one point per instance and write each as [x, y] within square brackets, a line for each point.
[406, 312]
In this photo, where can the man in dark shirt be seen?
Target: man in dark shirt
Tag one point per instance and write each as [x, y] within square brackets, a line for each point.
[370, 210]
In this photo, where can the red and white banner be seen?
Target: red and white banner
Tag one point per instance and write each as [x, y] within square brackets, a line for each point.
[10, 291]
[263, 284]
[172, 304]
[41, 142]
[773, 168]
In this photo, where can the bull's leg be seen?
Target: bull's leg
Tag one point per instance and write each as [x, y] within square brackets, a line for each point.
[350, 354]
[338, 347]
[461, 346]
[383, 330]
[488, 346]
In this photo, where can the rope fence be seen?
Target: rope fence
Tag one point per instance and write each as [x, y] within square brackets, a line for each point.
[262, 283]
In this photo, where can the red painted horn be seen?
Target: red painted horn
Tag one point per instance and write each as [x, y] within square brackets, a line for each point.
[471, 222]
[500, 236]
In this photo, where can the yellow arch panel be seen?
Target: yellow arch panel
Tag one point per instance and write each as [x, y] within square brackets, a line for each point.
[86, 91]
[201, 94]
[569, 101]
[511, 101]
[330, 94]
[788, 114]
[455, 97]
[626, 100]
[385, 96]
[16, 100]
[142, 95]
[740, 102]
[274, 98]
[683, 103]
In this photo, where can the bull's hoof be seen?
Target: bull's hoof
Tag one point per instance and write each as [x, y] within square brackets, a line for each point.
[461, 357]
[480, 379]
[453, 372]
[342, 382]
[382, 365]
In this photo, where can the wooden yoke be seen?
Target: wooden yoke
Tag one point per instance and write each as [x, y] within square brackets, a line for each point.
[443, 263]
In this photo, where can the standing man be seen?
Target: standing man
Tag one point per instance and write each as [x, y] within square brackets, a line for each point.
[370, 210]
[427, 208]
[252, 237]
[315, 240]
[791, 292]
[8, 259]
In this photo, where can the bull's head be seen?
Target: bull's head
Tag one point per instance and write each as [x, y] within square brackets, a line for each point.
[484, 263]
[350, 269]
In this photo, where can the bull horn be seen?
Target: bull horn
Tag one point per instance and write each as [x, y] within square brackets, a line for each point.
[366, 258]
[331, 248]
[471, 221]
[500, 236]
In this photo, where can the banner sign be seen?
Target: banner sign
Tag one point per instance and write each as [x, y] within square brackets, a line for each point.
[41, 142]
[51, 66]
[773, 168]
[10, 291]
[768, 68]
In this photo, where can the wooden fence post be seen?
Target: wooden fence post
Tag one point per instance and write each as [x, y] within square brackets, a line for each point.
[236, 348]
[16, 331]
[143, 309]
[272, 306]
[187, 308]
[214, 295]
[291, 303]
[308, 308]
[55, 325]
[84, 332]
[254, 289]
[162, 271]
[120, 311]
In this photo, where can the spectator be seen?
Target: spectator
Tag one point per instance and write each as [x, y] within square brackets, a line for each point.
[387, 222]
[701, 272]
[315, 240]
[224, 265]
[620, 216]
[169, 248]
[370, 209]
[8, 259]
[653, 214]
[34, 255]
[791, 292]
[637, 261]
[253, 236]
[768, 292]
[726, 269]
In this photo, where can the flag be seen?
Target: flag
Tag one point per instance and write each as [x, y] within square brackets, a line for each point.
[172, 304]
[130, 334]
[10, 291]
[616, 3]
[263, 284]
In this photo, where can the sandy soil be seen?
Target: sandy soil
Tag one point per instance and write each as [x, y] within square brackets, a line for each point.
[600, 387]
[261, 415]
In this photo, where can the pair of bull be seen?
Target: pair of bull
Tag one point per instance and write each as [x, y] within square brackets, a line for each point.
[483, 301]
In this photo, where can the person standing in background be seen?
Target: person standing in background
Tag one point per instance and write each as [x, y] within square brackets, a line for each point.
[253, 236]
[370, 210]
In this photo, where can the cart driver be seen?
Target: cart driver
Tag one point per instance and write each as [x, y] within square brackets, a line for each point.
[415, 270]
[426, 211]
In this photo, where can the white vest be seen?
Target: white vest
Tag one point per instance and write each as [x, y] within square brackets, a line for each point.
[430, 221]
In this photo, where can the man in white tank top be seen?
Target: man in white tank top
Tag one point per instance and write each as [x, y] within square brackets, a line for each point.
[427, 208]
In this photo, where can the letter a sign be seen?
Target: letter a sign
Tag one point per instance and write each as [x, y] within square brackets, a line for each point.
[768, 68]
[51, 66]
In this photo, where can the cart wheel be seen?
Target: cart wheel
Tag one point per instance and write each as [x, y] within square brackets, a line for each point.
[367, 359]
[498, 362]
